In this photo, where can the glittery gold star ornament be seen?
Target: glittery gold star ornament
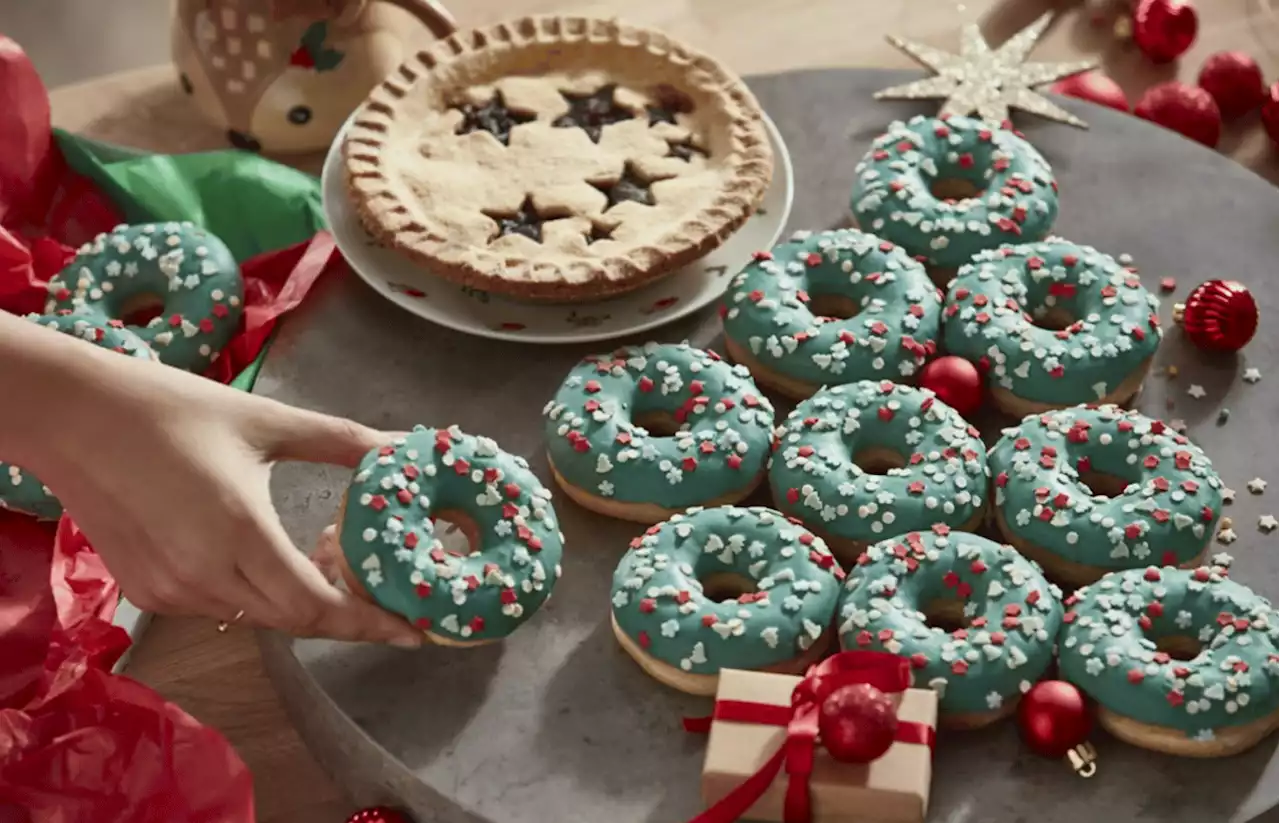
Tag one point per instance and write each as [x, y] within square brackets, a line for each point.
[985, 80]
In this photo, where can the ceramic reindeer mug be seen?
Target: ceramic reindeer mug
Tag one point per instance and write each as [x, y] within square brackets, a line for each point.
[282, 75]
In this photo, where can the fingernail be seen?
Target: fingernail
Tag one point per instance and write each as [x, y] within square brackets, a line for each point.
[409, 642]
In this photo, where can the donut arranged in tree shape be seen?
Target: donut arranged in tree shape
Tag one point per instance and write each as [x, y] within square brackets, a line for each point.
[1085, 491]
[1182, 661]
[183, 276]
[729, 587]
[946, 189]
[1053, 324]
[646, 432]
[858, 462]
[396, 554]
[20, 490]
[976, 619]
[831, 307]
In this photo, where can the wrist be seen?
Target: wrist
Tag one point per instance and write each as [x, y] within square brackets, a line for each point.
[47, 381]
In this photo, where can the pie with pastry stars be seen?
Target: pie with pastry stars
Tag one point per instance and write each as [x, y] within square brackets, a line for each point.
[557, 158]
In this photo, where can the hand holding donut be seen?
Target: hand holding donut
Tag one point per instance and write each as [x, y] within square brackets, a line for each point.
[167, 474]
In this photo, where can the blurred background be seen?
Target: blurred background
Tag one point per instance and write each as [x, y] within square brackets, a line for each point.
[66, 38]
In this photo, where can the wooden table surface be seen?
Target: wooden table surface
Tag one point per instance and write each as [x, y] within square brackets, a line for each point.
[218, 677]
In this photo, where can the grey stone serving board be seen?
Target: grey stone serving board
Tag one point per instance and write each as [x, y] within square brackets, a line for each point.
[557, 725]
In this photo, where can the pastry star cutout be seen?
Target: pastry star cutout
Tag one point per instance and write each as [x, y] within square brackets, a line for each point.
[525, 221]
[985, 80]
[629, 186]
[592, 112]
[1257, 485]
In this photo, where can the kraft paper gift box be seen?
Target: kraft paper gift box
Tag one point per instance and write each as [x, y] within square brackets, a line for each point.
[892, 789]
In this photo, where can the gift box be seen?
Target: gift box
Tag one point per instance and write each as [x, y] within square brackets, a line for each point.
[765, 760]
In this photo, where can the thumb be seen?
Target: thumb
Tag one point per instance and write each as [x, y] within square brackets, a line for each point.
[313, 437]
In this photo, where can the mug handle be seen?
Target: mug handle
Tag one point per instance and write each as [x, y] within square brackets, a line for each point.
[433, 15]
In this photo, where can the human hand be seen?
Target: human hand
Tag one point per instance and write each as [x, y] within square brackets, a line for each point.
[167, 474]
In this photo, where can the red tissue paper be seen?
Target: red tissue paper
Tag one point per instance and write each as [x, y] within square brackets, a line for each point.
[77, 743]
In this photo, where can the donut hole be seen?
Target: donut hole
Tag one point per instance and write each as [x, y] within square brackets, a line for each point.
[1054, 318]
[955, 188]
[141, 309]
[1179, 646]
[1102, 484]
[833, 306]
[722, 586]
[657, 423]
[457, 532]
[947, 615]
[879, 460]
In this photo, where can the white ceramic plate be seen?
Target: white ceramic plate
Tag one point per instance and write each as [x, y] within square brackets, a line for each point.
[406, 284]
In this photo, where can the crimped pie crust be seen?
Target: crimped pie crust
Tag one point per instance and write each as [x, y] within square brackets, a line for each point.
[422, 190]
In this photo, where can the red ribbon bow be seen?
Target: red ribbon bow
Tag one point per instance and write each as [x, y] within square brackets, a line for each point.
[887, 672]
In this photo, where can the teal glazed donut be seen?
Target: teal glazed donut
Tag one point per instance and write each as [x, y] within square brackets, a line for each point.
[1015, 199]
[1158, 497]
[394, 555]
[776, 313]
[1006, 616]
[861, 461]
[1180, 661]
[1053, 324]
[604, 457]
[21, 491]
[187, 269]
[729, 587]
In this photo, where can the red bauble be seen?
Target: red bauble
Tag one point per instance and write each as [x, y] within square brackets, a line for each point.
[857, 723]
[1053, 718]
[1188, 110]
[956, 382]
[1094, 87]
[1270, 110]
[379, 814]
[1235, 82]
[1219, 315]
[1164, 29]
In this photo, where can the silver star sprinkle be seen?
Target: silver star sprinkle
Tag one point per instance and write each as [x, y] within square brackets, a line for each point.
[1196, 390]
[1257, 485]
[1267, 524]
[985, 80]
[1252, 375]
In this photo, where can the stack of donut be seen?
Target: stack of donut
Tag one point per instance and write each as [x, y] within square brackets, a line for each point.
[877, 485]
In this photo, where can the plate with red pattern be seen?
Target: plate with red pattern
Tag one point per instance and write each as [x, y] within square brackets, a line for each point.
[471, 311]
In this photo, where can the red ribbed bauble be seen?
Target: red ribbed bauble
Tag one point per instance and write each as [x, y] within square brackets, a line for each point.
[1053, 718]
[379, 814]
[1270, 111]
[1219, 315]
[956, 382]
[1235, 82]
[1164, 29]
[1188, 110]
[857, 723]
[1094, 87]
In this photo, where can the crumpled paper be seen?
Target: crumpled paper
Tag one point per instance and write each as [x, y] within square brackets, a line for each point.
[78, 744]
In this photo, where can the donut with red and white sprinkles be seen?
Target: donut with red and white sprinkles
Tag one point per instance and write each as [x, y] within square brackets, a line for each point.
[1053, 324]
[187, 273]
[976, 619]
[869, 459]
[1085, 491]
[947, 188]
[394, 551]
[606, 446]
[831, 307]
[1182, 661]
